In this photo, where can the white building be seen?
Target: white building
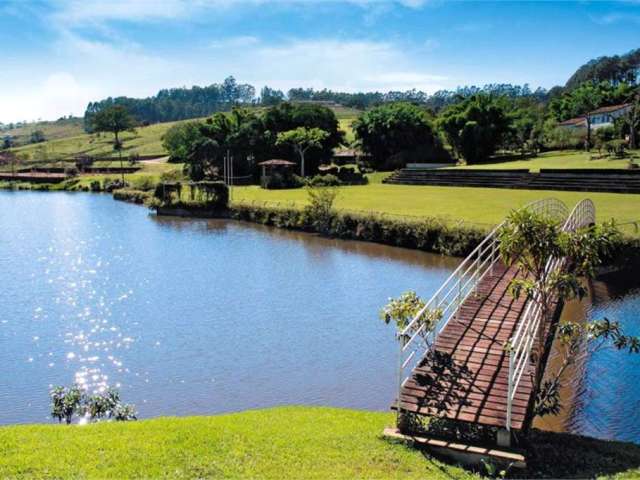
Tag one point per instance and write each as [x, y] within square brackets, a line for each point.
[605, 116]
[598, 118]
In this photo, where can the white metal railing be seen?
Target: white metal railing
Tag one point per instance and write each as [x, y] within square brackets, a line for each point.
[418, 336]
[584, 214]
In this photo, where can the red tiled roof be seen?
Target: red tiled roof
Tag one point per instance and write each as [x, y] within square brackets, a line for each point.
[611, 108]
[276, 161]
[574, 121]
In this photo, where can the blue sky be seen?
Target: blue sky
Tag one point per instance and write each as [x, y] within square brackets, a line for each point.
[60, 54]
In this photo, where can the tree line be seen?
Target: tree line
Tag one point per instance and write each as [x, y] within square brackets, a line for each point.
[612, 69]
[390, 135]
[178, 103]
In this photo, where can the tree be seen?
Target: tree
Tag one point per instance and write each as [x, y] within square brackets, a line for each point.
[179, 140]
[178, 103]
[7, 142]
[202, 162]
[395, 129]
[115, 119]
[302, 139]
[270, 96]
[585, 99]
[289, 116]
[526, 129]
[37, 136]
[615, 69]
[631, 120]
[474, 127]
[528, 240]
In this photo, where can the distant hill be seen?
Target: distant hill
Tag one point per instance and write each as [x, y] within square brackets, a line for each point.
[23, 133]
[614, 69]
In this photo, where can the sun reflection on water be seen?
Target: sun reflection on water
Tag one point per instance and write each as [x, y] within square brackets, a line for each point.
[84, 300]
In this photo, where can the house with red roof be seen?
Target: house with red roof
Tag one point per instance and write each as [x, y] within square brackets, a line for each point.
[598, 118]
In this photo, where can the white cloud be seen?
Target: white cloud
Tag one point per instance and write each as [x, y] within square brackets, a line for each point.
[59, 94]
[349, 65]
[74, 12]
[94, 70]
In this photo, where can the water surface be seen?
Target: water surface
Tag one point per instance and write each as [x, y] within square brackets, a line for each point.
[192, 316]
[202, 317]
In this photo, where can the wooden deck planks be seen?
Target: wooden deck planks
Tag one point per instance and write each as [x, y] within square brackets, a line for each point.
[465, 377]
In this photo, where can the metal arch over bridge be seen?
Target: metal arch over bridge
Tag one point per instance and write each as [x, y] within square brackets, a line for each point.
[460, 369]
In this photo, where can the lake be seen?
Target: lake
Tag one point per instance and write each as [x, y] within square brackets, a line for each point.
[191, 317]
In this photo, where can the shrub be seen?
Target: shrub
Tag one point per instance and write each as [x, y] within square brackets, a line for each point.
[279, 180]
[131, 195]
[71, 171]
[616, 148]
[68, 402]
[65, 403]
[95, 186]
[171, 176]
[428, 234]
[327, 180]
[143, 183]
[350, 176]
[320, 208]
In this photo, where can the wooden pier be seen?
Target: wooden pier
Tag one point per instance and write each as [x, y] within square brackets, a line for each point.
[479, 361]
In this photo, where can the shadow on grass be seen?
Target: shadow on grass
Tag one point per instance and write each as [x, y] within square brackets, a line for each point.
[563, 455]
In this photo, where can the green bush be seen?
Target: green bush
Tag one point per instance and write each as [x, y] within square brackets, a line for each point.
[278, 180]
[351, 176]
[71, 171]
[616, 148]
[131, 195]
[327, 180]
[143, 183]
[428, 234]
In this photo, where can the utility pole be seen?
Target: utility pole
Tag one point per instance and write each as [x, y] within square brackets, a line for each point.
[227, 173]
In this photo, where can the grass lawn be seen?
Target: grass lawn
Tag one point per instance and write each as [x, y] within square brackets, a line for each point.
[345, 125]
[145, 178]
[289, 442]
[278, 443]
[145, 141]
[482, 207]
[556, 159]
[52, 130]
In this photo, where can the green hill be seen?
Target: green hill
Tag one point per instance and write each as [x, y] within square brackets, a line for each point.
[70, 140]
[52, 130]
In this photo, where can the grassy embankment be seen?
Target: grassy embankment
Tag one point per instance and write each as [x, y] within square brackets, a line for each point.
[286, 442]
[556, 159]
[482, 207]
